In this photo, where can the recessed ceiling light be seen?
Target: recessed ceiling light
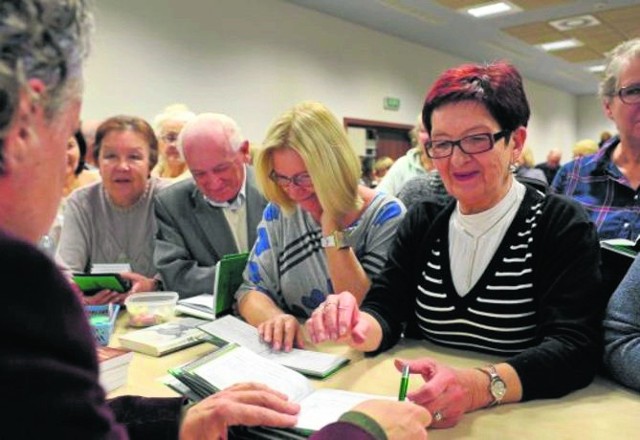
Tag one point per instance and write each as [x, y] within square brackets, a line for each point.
[491, 9]
[578, 22]
[596, 69]
[560, 45]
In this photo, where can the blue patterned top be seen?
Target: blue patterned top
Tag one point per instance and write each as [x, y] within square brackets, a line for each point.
[288, 263]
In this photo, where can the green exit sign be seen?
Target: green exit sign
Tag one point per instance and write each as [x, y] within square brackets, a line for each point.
[391, 103]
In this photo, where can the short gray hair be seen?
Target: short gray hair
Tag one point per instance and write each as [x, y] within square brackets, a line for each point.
[229, 127]
[43, 39]
[616, 59]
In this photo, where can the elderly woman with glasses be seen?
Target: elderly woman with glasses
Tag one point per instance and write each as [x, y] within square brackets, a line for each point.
[321, 233]
[504, 269]
[168, 125]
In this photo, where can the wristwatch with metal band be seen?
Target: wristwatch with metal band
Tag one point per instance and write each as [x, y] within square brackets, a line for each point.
[497, 386]
[337, 239]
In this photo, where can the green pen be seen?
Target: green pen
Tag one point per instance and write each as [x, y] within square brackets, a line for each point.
[404, 383]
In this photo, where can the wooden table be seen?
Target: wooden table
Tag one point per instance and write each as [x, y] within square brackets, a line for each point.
[603, 410]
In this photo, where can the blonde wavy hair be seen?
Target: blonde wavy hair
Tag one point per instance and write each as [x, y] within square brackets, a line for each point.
[311, 130]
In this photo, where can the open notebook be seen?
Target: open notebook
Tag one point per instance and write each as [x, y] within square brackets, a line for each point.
[234, 364]
[230, 329]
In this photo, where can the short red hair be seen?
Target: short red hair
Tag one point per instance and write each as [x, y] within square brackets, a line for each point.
[497, 85]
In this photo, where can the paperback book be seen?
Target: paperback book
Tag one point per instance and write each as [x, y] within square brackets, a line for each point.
[168, 337]
[230, 329]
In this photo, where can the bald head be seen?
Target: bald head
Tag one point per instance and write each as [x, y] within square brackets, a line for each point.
[554, 157]
[215, 152]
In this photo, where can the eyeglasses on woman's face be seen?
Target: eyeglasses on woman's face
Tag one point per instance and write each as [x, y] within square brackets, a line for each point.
[472, 144]
[630, 94]
[301, 180]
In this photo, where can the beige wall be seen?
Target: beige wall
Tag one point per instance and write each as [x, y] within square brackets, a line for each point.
[252, 59]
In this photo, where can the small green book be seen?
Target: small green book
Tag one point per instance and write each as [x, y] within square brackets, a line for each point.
[228, 278]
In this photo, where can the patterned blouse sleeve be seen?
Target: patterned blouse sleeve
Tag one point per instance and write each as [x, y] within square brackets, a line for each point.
[262, 271]
[380, 234]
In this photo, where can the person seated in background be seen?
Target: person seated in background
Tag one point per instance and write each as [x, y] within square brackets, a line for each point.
[381, 166]
[367, 175]
[622, 330]
[524, 166]
[167, 126]
[584, 147]
[414, 163]
[88, 129]
[604, 138]
[112, 221]
[606, 183]
[552, 165]
[76, 177]
[48, 359]
[200, 220]
[321, 232]
[506, 269]
[77, 155]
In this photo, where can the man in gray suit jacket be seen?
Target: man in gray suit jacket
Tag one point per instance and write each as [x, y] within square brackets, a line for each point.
[214, 214]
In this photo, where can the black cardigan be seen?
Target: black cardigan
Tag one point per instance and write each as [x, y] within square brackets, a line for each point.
[569, 302]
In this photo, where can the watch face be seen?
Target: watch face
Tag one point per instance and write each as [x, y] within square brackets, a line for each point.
[498, 388]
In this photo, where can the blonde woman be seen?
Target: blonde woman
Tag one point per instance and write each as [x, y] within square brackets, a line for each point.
[525, 166]
[321, 233]
[585, 147]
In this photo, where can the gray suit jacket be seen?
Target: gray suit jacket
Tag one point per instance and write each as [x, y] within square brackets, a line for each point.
[193, 235]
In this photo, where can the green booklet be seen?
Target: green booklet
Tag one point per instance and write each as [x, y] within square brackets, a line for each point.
[228, 278]
[219, 303]
[622, 246]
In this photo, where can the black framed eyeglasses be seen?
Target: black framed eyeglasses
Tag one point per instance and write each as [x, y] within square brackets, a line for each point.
[630, 94]
[473, 144]
[302, 180]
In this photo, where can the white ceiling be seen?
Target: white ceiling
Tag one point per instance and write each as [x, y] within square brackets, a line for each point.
[431, 24]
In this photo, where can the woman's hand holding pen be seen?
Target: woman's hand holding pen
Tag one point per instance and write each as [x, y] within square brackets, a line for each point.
[447, 393]
[338, 318]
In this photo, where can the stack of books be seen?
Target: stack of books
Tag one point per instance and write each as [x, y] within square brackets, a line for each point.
[114, 367]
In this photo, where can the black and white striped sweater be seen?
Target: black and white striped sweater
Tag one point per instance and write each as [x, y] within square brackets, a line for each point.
[499, 313]
[539, 302]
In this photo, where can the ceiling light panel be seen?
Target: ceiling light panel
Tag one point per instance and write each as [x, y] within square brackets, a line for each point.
[491, 9]
[552, 46]
[578, 22]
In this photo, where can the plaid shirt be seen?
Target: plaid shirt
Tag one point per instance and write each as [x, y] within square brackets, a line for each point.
[597, 183]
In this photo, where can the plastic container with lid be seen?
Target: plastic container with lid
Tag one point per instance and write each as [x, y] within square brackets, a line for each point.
[150, 308]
